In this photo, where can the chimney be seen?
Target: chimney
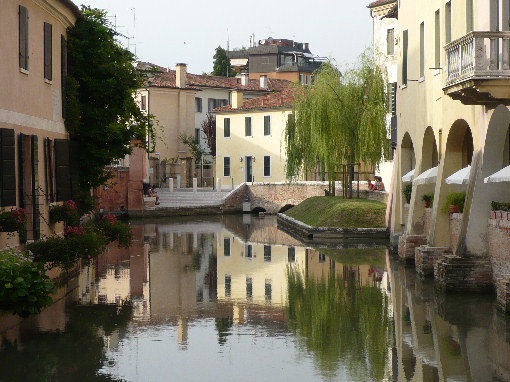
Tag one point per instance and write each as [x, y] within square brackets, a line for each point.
[306, 45]
[245, 79]
[237, 99]
[263, 81]
[180, 75]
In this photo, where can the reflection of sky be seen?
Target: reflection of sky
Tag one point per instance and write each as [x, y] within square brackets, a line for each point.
[249, 354]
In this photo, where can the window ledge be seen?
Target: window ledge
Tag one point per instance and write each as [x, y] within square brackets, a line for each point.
[49, 82]
[24, 71]
[403, 86]
[437, 72]
[421, 79]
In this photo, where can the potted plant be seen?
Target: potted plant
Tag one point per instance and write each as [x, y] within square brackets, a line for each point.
[428, 199]
[500, 206]
[407, 191]
[454, 203]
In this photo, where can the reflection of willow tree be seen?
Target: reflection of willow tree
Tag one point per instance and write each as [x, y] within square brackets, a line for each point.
[341, 322]
[74, 355]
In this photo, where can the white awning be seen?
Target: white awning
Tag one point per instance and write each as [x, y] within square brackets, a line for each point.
[502, 175]
[425, 177]
[408, 177]
[459, 177]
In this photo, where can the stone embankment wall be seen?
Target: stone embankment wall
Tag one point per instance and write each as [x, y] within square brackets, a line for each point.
[272, 197]
[499, 243]
[455, 223]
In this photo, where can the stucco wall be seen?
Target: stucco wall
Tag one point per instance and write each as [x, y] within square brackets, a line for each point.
[499, 246]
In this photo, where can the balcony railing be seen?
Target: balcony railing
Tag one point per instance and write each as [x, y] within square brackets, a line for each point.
[478, 56]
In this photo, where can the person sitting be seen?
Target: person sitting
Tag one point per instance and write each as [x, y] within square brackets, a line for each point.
[379, 185]
[153, 193]
[371, 186]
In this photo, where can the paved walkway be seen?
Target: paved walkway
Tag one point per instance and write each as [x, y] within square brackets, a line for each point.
[188, 198]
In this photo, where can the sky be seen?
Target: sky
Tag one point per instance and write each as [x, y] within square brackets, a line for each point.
[168, 32]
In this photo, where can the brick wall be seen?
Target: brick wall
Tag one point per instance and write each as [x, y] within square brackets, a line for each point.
[114, 196]
[499, 246]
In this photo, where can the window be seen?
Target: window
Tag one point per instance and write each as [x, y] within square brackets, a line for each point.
[144, 103]
[247, 126]
[249, 251]
[301, 79]
[422, 50]
[249, 288]
[226, 128]
[23, 37]
[448, 22]
[226, 246]
[390, 42]
[267, 165]
[392, 98]
[267, 125]
[291, 254]
[198, 105]
[226, 166]
[404, 58]
[267, 290]
[306, 79]
[322, 258]
[197, 136]
[213, 103]
[267, 253]
[437, 41]
[228, 285]
[63, 72]
[48, 49]
[7, 168]
[469, 16]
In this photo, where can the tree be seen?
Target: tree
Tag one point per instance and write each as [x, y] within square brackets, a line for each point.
[221, 66]
[102, 116]
[194, 146]
[209, 130]
[338, 120]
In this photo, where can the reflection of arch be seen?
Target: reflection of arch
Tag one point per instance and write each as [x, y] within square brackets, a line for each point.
[258, 210]
[429, 155]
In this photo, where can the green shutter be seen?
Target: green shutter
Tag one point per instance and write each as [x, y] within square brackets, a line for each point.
[23, 37]
[74, 169]
[63, 72]
[48, 50]
[8, 167]
[267, 125]
[404, 58]
[62, 170]
[36, 220]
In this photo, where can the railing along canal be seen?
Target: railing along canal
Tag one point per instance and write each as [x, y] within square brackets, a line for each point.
[478, 55]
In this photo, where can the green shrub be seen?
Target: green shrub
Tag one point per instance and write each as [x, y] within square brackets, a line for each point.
[455, 199]
[24, 286]
[77, 243]
[14, 220]
[66, 212]
[500, 206]
[114, 230]
[428, 198]
[407, 191]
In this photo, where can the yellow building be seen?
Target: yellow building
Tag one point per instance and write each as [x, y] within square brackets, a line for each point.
[34, 145]
[250, 139]
[453, 77]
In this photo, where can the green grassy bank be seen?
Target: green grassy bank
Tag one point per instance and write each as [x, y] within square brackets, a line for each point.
[331, 211]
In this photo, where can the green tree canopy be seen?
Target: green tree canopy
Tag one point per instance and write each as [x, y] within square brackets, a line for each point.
[102, 115]
[339, 119]
[221, 66]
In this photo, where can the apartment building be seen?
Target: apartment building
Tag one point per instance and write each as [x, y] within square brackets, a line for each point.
[453, 77]
[34, 145]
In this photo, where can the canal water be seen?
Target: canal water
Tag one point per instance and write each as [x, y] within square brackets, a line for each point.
[234, 298]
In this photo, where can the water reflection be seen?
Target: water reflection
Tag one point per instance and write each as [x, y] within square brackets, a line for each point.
[233, 297]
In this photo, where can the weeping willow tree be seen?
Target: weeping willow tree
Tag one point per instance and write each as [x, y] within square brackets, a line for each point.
[338, 120]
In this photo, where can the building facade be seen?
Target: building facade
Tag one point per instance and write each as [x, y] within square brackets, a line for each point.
[250, 139]
[35, 150]
[453, 77]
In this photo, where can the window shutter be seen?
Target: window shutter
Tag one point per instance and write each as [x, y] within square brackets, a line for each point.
[34, 154]
[404, 58]
[74, 169]
[8, 167]
[267, 125]
[48, 46]
[62, 170]
[23, 37]
[21, 170]
[63, 72]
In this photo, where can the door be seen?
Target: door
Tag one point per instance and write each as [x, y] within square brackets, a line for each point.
[249, 169]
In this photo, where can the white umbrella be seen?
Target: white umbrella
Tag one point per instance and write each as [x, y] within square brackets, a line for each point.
[425, 177]
[459, 177]
[408, 177]
[502, 175]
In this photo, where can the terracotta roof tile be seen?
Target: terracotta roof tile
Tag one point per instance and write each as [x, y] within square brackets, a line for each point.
[380, 2]
[282, 99]
[164, 78]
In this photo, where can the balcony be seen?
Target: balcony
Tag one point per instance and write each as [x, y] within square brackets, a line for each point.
[478, 68]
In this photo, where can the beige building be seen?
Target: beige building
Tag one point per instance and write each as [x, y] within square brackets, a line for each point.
[453, 77]
[34, 144]
[250, 139]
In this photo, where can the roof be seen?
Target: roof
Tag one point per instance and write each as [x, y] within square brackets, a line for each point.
[380, 2]
[166, 79]
[76, 11]
[278, 100]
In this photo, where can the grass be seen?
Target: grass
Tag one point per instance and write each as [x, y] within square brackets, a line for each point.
[332, 211]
